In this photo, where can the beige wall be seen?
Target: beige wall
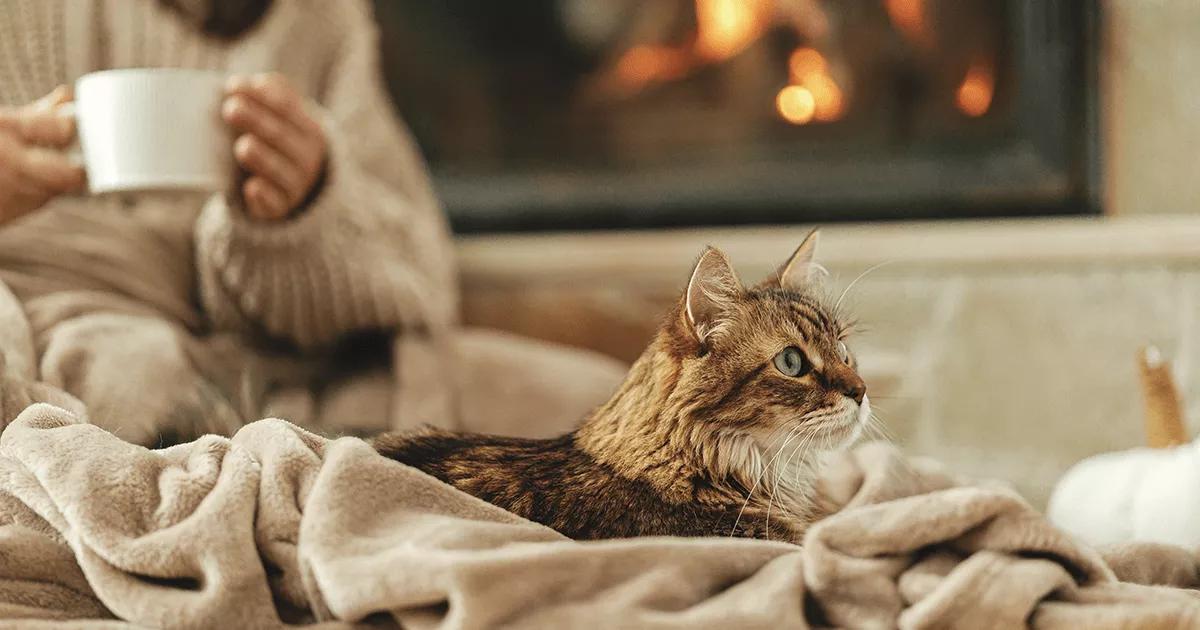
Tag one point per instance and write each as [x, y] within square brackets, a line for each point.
[1150, 73]
[1005, 349]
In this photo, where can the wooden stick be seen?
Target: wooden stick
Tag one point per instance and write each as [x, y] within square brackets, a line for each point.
[1163, 411]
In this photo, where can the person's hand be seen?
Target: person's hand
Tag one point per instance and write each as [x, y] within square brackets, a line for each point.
[33, 168]
[280, 146]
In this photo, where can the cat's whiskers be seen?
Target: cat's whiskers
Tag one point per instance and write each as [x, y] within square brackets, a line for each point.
[775, 482]
[827, 444]
[877, 426]
[791, 434]
[824, 440]
[809, 437]
[862, 275]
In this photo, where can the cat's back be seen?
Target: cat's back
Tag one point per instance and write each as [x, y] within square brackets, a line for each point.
[552, 482]
[488, 466]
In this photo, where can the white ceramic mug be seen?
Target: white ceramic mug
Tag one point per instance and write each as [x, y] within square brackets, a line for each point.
[153, 129]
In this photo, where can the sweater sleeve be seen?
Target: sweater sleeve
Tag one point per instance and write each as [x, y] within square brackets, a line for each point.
[371, 251]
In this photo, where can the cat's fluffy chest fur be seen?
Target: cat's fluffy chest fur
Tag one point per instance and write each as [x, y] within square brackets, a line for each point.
[715, 431]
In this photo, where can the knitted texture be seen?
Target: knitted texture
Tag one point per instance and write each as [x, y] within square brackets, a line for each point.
[141, 306]
[372, 249]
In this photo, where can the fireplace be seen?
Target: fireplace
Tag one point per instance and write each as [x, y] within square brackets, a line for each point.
[571, 114]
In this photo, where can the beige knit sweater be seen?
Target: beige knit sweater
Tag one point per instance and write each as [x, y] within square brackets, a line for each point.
[371, 251]
[124, 294]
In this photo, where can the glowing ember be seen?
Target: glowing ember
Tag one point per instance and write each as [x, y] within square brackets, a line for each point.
[805, 62]
[642, 65]
[827, 96]
[974, 95]
[810, 70]
[909, 18]
[796, 104]
[725, 28]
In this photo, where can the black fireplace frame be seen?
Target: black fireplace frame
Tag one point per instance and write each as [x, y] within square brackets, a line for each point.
[1050, 165]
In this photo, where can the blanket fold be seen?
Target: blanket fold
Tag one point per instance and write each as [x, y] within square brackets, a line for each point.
[277, 526]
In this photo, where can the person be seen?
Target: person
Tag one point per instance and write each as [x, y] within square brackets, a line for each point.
[171, 314]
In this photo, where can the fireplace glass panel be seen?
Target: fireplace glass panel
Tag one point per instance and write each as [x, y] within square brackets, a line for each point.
[582, 113]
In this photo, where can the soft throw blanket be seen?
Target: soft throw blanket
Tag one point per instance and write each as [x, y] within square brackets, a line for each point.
[278, 525]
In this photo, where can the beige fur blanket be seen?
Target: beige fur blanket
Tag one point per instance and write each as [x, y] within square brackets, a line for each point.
[277, 526]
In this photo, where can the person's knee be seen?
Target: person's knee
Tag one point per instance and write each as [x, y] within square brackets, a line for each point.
[110, 348]
[132, 373]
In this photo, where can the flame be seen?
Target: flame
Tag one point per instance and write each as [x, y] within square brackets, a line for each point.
[725, 28]
[910, 19]
[809, 71]
[974, 95]
[828, 96]
[796, 104]
[806, 62]
[642, 65]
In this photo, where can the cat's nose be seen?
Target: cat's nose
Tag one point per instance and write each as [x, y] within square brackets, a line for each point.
[855, 388]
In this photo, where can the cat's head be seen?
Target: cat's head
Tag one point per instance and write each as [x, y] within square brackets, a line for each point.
[769, 362]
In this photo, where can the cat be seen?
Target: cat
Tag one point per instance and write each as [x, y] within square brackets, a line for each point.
[716, 430]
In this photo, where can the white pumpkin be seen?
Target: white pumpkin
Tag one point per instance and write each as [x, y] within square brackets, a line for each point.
[1144, 494]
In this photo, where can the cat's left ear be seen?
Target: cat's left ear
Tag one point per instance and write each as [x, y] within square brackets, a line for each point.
[801, 268]
[711, 293]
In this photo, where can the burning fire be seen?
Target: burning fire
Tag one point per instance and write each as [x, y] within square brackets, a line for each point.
[805, 62]
[811, 83]
[910, 19]
[974, 94]
[725, 28]
[642, 65]
[796, 104]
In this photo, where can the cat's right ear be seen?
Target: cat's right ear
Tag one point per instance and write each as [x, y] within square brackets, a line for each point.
[800, 269]
[711, 293]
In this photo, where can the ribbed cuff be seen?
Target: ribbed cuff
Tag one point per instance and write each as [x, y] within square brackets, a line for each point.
[330, 269]
[297, 232]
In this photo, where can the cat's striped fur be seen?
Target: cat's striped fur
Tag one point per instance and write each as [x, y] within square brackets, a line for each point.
[706, 436]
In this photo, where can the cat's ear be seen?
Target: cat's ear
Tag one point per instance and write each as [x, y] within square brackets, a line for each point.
[711, 293]
[801, 269]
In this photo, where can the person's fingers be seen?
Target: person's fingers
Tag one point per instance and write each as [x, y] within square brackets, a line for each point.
[264, 200]
[275, 92]
[248, 116]
[41, 122]
[12, 167]
[50, 169]
[19, 195]
[25, 199]
[47, 128]
[57, 96]
[261, 159]
[27, 187]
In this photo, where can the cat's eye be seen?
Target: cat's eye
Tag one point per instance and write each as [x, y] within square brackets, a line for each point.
[843, 352]
[791, 362]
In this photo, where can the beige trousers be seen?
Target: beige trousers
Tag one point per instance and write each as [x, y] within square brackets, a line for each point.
[151, 381]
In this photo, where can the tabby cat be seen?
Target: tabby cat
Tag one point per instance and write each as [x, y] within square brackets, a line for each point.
[715, 431]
